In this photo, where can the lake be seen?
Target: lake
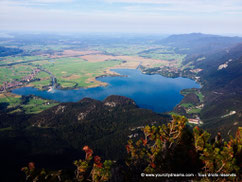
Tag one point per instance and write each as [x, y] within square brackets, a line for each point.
[154, 92]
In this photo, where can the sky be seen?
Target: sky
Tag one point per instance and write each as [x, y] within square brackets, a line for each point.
[222, 17]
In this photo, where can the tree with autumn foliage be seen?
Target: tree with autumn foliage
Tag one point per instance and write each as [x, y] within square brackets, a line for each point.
[171, 148]
[219, 157]
[174, 148]
[88, 169]
[92, 169]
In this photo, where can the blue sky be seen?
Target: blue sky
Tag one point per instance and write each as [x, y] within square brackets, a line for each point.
[134, 16]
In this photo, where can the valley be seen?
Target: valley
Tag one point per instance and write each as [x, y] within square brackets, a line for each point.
[74, 67]
[129, 82]
[71, 65]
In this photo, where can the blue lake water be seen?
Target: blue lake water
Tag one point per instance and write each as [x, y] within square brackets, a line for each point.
[154, 92]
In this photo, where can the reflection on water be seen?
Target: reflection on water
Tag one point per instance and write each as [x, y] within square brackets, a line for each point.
[154, 92]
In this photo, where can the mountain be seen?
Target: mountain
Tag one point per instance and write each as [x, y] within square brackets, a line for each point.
[219, 63]
[199, 43]
[104, 125]
[55, 137]
[221, 76]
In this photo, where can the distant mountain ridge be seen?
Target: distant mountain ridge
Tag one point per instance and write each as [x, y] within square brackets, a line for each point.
[200, 43]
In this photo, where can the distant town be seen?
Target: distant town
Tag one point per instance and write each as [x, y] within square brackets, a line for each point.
[13, 84]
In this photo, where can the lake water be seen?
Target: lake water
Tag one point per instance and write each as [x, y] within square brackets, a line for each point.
[154, 92]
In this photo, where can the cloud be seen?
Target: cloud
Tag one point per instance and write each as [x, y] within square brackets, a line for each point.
[39, 1]
[194, 6]
[186, 6]
[51, 1]
[165, 16]
[34, 2]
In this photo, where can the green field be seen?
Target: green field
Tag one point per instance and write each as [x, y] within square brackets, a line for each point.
[36, 105]
[163, 53]
[187, 105]
[71, 72]
[190, 108]
[17, 72]
[194, 111]
[41, 83]
[200, 95]
[10, 99]
[19, 59]
[197, 92]
[124, 50]
[32, 104]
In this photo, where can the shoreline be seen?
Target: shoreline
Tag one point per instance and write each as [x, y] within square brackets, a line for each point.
[115, 74]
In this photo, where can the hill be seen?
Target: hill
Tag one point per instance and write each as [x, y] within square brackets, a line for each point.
[216, 63]
[199, 43]
[54, 137]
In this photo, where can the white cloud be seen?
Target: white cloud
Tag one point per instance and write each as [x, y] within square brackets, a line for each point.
[169, 18]
[194, 6]
[33, 2]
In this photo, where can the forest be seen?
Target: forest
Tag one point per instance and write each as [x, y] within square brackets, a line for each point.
[173, 150]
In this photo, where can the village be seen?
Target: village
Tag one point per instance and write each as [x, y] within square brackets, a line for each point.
[6, 86]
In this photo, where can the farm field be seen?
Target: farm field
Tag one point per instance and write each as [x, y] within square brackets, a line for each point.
[73, 67]
[8, 61]
[76, 72]
[14, 72]
[28, 105]
[124, 50]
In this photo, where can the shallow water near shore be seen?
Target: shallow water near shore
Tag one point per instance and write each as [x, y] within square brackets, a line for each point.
[154, 92]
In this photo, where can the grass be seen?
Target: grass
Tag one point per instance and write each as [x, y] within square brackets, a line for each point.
[200, 96]
[186, 91]
[33, 106]
[18, 59]
[37, 105]
[11, 99]
[44, 47]
[172, 113]
[42, 75]
[76, 71]
[159, 65]
[194, 111]
[67, 84]
[197, 92]
[187, 105]
[163, 53]
[125, 50]
[17, 72]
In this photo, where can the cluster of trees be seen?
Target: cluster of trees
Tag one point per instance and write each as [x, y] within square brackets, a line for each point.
[89, 169]
[5, 51]
[171, 148]
[174, 148]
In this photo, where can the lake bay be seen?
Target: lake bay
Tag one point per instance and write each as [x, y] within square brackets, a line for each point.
[154, 92]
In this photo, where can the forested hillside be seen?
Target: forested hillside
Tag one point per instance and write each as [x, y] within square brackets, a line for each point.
[54, 137]
[174, 151]
[216, 63]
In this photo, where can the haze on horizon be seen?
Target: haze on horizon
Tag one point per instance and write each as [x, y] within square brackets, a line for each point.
[222, 17]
